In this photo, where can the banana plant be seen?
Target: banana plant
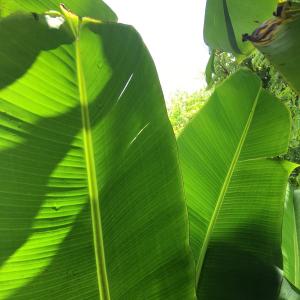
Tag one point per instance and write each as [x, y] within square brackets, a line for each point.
[91, 198]
[235, 191]
[92, 204]
[278, 40]
[227, 20]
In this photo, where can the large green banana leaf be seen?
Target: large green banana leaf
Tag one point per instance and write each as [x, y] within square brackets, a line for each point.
[91, 200]
[227, 20]
[91, 8]
[235, 193]
[278, 39]
[291, 237]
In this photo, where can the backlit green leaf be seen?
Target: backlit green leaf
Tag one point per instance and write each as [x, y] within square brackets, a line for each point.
[91, 201]
[235, 192]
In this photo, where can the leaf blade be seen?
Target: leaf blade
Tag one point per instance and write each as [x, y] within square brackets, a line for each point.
[290, 243]
[207, 147]
[50, 252]
[226, 21]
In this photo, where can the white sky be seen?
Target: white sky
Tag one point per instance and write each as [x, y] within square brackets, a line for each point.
[172, 30]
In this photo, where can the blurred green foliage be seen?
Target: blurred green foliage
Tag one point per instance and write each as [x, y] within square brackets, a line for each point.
[184, 106]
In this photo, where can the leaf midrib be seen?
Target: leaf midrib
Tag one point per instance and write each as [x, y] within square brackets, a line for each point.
[223, 191]
[102, 279]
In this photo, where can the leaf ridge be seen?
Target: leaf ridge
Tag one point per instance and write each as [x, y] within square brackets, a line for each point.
[223, 191]
[99, 251]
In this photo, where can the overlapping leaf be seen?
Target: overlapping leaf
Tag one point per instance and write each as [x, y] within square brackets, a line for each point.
[278, 39]
[227, 20]
[235, 192]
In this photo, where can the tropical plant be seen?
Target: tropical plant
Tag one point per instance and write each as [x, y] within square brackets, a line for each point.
[235, 222]
[226, 21]
[277, 39]
[92, 203]
[225, 64]
[92, 191]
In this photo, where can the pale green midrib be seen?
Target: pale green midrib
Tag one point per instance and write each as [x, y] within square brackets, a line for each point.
[223, 191]
[102, 278]
[296, 249]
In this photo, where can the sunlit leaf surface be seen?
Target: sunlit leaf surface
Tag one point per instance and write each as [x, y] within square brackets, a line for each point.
[235, 192]
[91, 201]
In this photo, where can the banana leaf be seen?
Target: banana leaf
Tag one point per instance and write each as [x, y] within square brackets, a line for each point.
[291, 237]
[227, 20]
[278, 39]
[235, 191]
[91, 8]
[91, 198]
